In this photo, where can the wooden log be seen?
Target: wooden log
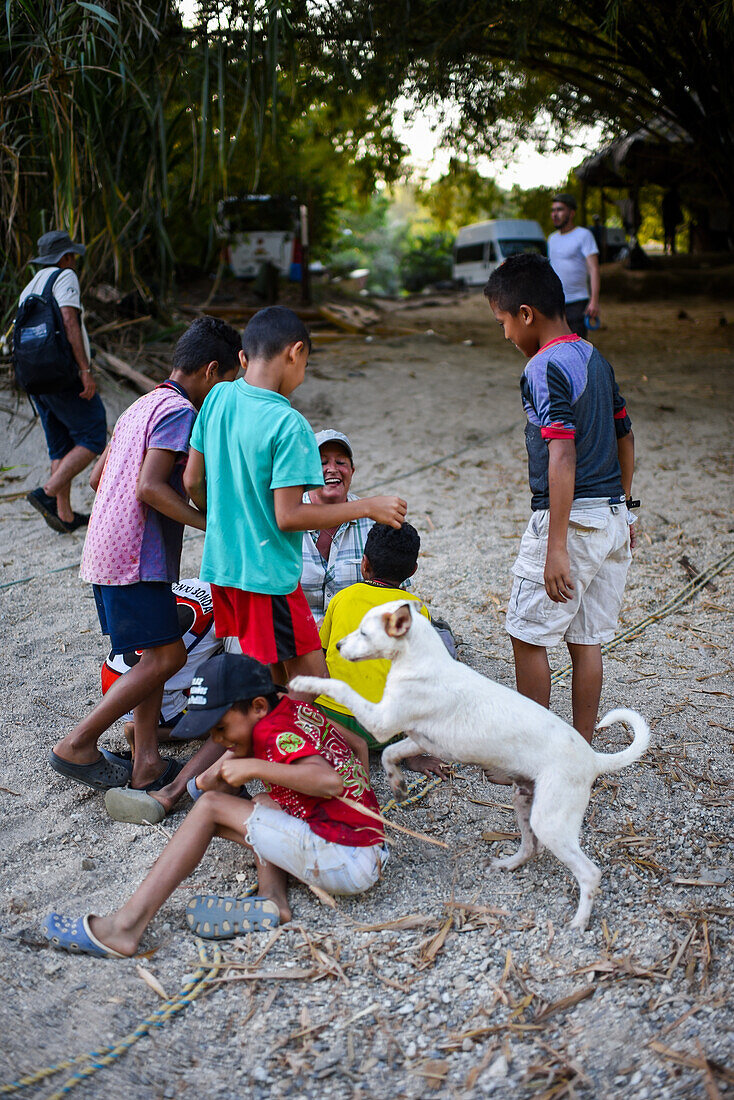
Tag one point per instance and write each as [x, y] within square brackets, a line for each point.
[348, 318]
[124, 370]
[244, 312]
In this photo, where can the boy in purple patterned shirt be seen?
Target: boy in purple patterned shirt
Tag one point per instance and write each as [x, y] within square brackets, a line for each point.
[132, 554]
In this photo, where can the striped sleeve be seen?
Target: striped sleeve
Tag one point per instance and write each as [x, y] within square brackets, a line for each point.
[549, 390]
[622, 422]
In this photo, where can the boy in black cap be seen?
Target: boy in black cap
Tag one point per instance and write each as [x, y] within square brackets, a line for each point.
[317, 821]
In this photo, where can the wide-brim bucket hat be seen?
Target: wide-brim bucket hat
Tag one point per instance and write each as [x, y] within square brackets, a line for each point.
[52, 246]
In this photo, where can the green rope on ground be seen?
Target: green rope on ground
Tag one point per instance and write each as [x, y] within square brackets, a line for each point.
[685, 594]
[40, 576]
[106, 1056]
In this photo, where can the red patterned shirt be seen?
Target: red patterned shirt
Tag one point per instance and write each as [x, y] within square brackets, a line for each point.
[295, 730]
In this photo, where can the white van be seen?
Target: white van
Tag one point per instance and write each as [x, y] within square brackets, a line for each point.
[481, 247]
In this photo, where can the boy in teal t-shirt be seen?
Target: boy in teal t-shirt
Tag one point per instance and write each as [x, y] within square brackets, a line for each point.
[252, 456]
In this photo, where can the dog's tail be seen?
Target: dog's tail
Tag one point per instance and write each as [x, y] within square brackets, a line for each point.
[615, 761]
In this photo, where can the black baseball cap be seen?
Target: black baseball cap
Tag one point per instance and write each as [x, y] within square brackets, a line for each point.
[217, 685]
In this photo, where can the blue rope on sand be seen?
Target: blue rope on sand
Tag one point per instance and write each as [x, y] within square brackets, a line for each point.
[107, 1056]
[90, 1062]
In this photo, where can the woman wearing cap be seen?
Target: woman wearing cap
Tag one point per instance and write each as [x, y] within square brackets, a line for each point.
[332, 557]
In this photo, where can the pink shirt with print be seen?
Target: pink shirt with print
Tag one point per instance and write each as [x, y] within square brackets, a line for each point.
[127, 541]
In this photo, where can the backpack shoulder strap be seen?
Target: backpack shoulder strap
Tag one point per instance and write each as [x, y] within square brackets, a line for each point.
[48, 289]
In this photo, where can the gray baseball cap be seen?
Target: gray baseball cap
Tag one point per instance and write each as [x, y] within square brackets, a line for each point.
[52, 246]
[328, 435]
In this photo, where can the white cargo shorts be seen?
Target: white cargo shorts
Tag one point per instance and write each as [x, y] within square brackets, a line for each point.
[599, 554]
[286, 841]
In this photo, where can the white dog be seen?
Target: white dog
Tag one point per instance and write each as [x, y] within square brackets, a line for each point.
[451, 711]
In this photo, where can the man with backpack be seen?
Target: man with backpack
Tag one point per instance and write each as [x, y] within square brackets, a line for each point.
[52, 364]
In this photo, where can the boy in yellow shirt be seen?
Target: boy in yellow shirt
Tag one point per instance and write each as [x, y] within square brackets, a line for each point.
[390, 557]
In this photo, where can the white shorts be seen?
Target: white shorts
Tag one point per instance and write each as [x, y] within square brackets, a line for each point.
[599, 554]
[286, 841]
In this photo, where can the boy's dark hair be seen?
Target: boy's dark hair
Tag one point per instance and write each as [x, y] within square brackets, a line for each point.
[207, 339]
[526, 279]
[392, 551]
[272, 330]
[243, 705]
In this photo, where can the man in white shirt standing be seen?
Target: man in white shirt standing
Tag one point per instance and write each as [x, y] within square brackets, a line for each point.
[73, 420]
[574, 256]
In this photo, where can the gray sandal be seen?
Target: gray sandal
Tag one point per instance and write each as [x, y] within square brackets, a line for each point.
[135, 807]
[220, 918]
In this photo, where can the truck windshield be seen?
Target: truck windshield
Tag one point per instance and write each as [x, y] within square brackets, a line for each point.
[510, 246]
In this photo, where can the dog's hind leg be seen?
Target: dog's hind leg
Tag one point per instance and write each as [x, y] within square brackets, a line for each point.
[556, 819]
[391, 757]
[522, 800]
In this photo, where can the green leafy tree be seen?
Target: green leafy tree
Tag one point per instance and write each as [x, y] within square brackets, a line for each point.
[511, 65]
[126, 127]
[425, 258]
[461, 196]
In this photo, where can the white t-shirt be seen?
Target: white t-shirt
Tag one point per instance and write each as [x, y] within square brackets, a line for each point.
[567, 253]
[65, 291]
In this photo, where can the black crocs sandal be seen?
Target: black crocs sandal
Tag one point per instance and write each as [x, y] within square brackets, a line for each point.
[46, 505]
[100, 776]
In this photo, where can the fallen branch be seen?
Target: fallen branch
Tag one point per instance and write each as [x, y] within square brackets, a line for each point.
[124, 370]
[400, 828]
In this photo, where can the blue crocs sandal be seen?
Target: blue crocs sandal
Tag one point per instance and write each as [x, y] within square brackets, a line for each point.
[75, 936]
[221, 918]
[195, 792]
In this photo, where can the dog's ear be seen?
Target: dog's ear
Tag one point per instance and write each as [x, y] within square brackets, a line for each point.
[398, 622]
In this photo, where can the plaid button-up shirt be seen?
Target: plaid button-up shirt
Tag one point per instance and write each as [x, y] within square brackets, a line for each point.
[322, 579]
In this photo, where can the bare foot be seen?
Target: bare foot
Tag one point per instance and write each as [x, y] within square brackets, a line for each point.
[145, 774]
[108, 933]
[284, 910]
[166, 800]
[72, 754]
[164, 735]
[272, 883]
[129, 732]
[426, 765]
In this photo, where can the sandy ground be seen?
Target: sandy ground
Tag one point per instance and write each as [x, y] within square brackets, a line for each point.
[482, 989]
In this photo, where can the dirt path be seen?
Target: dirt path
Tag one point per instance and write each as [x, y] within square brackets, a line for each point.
[481, 989]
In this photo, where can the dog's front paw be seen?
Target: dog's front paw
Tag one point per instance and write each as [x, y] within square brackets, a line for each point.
[398, 785]
[309, 685]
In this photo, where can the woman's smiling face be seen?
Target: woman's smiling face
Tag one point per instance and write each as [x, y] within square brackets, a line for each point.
[338, 472]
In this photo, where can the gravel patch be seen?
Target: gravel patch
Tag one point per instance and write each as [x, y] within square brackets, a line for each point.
[448, 979]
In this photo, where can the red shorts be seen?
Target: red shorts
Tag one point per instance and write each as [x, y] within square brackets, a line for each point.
[269, 628]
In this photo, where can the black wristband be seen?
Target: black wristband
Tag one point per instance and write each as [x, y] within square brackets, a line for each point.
[632, 503]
